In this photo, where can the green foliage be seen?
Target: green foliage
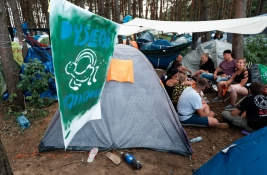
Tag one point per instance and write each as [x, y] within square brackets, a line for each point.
[255, 49]
[35, 80]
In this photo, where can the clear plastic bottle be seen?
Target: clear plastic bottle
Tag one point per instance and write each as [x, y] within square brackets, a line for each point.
[131, 160]
[197, 139]
[23, 122]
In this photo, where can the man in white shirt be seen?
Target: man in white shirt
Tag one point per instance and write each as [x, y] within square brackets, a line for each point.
[192, 111]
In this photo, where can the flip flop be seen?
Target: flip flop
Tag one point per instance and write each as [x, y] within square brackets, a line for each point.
[114, 158]
[92, 155]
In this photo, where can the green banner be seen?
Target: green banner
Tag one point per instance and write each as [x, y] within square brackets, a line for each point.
[82, 45]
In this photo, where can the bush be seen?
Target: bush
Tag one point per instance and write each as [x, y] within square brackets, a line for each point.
[35, 81]
[255, 49]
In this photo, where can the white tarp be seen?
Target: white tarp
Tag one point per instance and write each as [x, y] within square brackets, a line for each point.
[241, 25]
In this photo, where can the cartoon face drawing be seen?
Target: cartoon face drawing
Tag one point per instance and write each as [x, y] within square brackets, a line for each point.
[82, 76]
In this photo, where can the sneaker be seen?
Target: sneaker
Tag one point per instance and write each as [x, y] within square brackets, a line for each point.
[222, 125]
[208, 90]
[229, 108]
[217, 99]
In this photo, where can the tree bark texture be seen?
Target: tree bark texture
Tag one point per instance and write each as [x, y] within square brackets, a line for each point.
[10, 67]
[141, 7]
[18, 26]
[117, 11]
[262, 7]
[108, 8]
[258, 7]
[205, 16]
[238, 40]
[5, 168]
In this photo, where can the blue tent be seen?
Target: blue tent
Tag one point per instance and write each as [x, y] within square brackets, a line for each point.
[145, 37]
[245, 156]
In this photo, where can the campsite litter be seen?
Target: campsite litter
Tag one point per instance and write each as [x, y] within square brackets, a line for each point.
[92, 155]
[114, 158]
[131, 160]
[196, 139]
[245, 132]
[23, 122]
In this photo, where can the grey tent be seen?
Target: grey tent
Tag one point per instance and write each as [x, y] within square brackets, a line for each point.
[134, 115]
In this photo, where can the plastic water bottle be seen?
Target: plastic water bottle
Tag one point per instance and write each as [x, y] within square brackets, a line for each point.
[23, 122]
[197, 139]
[131, 160]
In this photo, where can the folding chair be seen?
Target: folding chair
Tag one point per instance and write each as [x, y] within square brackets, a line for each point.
[242, 98]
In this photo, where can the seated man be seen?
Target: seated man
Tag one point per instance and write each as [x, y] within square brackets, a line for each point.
[224, 71]
[179, 59]
[254, 107]
[191, 110]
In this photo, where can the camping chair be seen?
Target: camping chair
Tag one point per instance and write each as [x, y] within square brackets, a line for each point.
[242, 98]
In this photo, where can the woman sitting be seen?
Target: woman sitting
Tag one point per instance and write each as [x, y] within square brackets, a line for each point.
[239, 79]
[206, 65]
[171, 81]
[178, 88]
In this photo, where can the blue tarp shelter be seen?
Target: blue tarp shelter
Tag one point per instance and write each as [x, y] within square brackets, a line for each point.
[245, 156]
[161, 52]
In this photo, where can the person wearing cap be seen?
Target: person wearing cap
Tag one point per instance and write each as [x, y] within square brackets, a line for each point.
[191, 110]
[224, 71]
[171, 81]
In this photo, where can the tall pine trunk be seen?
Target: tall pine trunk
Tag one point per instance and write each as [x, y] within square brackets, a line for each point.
[17, 22]
[9, 66]
[205, 16]
[238, 39]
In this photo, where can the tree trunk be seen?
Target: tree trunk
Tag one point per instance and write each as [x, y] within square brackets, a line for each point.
[258, 7]
[147, 4]
[129, 7]
[192, 8]
[166, 11]
[101, 8]
[108, 9]
[238, 40]
[205, 16]
[249, 8]
[5, 168]
[185, 10]
[220, 9]
[140, 2]
[10, 67]
[262, 7]
[117, 11]
[30, 18]
[90, 4]
[44, 10]
[17, 23]
[134, 8]
[211, 8]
